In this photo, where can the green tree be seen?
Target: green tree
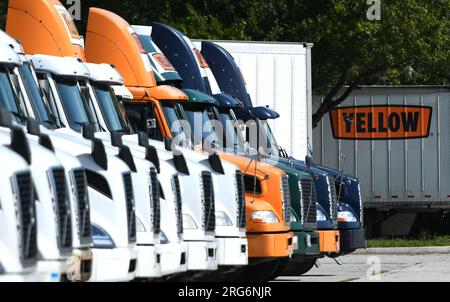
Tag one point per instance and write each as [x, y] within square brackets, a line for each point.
[410, 45]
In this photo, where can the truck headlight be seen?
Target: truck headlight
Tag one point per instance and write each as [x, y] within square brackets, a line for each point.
[264, 217]
[321, 215]
[163, 238]
[222, 219]
[346, 216]
[140, 227]
[101, 238]
[189, 222]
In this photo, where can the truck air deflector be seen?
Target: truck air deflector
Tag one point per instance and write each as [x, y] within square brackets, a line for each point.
[19, 144]
[180, 163]
[180, 55]
[226, 71]
[127, 157]
[99, 154]
[152, 156]
[124, 151]
[216, 163]
[150, 151]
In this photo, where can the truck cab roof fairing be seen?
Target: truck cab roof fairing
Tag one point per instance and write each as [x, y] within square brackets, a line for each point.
[226, 71]
[109, 38]
[44, 26]
[180, 55]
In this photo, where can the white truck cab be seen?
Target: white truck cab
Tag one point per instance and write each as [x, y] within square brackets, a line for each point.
[200, 253]
[111, 204]
[54, 236]
[104, 80]
[18, 239]
[230, 233]
[169, 257]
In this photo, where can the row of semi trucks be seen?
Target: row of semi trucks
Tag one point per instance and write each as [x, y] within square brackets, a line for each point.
[132, 153]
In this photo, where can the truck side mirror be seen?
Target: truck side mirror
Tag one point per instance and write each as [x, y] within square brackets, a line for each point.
[151, 123]
[308, 161]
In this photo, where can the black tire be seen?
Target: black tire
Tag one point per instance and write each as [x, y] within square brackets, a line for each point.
[280, 268]
[298, 268]
[261, 272]
[212, 277]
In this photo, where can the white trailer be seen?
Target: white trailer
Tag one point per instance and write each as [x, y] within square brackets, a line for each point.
[401, 167]
[278, 75]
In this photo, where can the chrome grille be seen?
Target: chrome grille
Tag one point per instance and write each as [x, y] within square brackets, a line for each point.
[209, 215]
[131, 210]
[334, 200]
[241, 208]
[83, 207]
[155, 202]
[309, 202]
[26, 211]
[62, 208]
[286, 199]
[178, 203]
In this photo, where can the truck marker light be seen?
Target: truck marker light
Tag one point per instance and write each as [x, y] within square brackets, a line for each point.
[163, 61]
[139, 44]
[201, 60]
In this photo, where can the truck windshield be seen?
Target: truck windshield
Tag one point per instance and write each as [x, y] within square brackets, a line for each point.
[174, 115]
[75, 105]
[112, 111]
[8, 98]
[272, 144]
[232, 137]
[40, 107]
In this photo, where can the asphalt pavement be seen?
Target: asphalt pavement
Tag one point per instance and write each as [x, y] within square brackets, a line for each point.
[383, 265]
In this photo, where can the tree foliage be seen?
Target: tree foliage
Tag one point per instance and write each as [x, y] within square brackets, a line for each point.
[410, 45]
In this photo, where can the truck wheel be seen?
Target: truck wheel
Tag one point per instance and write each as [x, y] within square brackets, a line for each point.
[305, 266]
[262, 272]
[280, 268]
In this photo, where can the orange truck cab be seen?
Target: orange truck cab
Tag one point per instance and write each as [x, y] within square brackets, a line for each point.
[110, 39]
[22, 17]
